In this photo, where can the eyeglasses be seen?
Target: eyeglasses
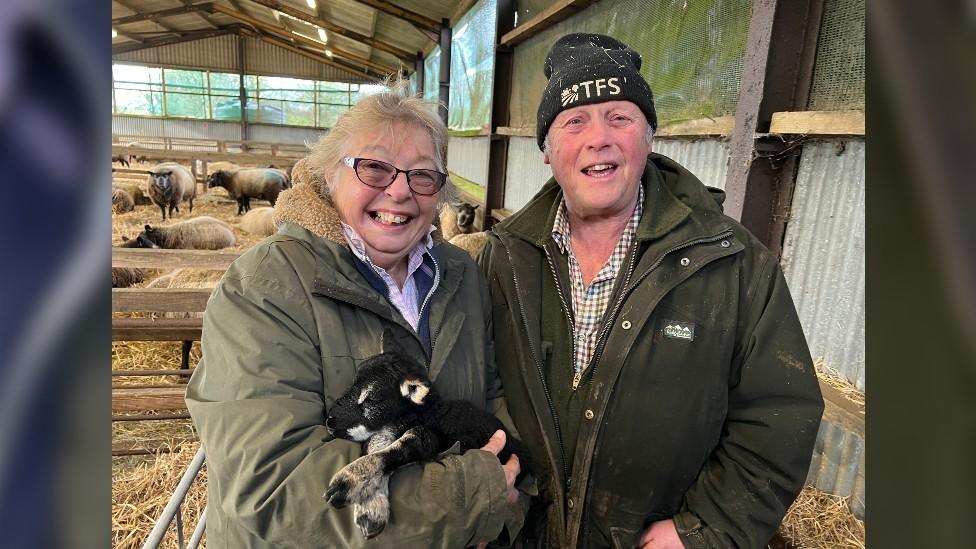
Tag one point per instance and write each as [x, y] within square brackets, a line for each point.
[380, 175]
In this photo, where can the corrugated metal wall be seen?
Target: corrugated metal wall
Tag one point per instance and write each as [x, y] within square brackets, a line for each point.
[525, 173]
[823, 254]
[210, 129]
[220, 54]
[708, 159]
[838, 465]
[468, 157]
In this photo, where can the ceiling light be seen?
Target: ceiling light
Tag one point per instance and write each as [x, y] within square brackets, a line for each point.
[114, 34]
[311, 3]
[322, 35]
[328, 53]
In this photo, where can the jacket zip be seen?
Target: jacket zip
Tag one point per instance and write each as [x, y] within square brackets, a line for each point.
[566, 310]
[538, 365]
[627, 288]
[437, 281]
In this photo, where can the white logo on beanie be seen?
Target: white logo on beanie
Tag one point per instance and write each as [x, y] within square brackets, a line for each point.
[591, 88]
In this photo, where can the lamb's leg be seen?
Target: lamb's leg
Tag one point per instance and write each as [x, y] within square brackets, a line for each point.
[359, 480]
[373, 514]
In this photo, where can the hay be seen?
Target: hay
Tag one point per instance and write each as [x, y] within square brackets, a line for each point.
[819, 519]
[833, 378]
[140, 494]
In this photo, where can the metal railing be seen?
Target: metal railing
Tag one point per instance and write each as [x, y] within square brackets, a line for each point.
[174, 510]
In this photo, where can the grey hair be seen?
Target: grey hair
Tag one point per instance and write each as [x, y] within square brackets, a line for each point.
[648, 136]
[379, 112]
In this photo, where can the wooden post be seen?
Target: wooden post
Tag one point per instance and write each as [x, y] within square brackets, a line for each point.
[500, 106]
[445, 72]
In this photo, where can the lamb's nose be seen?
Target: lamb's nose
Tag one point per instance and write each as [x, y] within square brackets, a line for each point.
[330, 422]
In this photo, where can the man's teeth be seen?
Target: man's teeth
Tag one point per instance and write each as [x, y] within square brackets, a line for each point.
[389, 218]
[599, 167]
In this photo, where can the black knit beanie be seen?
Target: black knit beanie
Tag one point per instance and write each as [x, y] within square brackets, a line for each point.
[591, 68]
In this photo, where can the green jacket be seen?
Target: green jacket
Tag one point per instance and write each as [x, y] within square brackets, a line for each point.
[283, 334]
[701, 404]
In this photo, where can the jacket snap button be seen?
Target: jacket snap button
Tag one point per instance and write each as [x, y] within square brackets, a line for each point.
[685, 261]
[570, 503]
[625, 325]
[725, 244]
[588, 414]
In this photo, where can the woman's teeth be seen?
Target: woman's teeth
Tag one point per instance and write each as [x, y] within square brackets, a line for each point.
[390, 219]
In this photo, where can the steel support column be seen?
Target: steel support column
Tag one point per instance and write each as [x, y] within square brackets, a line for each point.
[500, 102]
[242, 90]
[777, 73]
[445, 75]
[419, 70]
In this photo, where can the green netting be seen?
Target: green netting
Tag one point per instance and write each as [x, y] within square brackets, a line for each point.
[838, 74]
[692, 54]
[472, 69]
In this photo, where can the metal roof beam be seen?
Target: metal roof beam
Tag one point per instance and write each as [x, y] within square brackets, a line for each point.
[127, 5]
[153, 16]
[403, 55]
[422, 22]
[277, 41]
[188, 36]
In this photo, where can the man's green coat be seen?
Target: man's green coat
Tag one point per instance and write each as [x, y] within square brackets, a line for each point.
[283, 334]
[702, 403]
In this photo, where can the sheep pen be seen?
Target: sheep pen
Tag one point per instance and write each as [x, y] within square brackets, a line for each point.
[142, 484]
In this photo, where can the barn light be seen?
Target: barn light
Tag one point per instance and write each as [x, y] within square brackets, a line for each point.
[328, 53]
[114, 34]
[311, 3]
[322, 35]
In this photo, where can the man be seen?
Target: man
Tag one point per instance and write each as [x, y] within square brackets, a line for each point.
[649, 347]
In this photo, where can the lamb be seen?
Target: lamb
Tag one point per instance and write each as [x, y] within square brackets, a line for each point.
[457, 219]
[138, 197]
[169, 184]
[243, 184]
[122, 201]
[198, 233]
[472, 243]
[123, 277]
[394, 409]
[258, 221]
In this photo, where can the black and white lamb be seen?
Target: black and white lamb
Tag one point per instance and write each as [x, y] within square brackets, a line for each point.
[394, 409]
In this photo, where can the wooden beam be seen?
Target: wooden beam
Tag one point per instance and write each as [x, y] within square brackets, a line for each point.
[284, 33]
[316, 57]
[720, 126]
[205, 18]
[156, 15]
[173, 259]
[182, 372]
[187, 36]
[462, 8]
[841, 411]
[167, 154]
[422, 22]
[501, 214]
[144, 400]
[160, 299]
[555, 13]
[818, 123]
[520, 132]
[500, 105]
[342, 31]
[153, 329]
[130, 36]
[132, 8]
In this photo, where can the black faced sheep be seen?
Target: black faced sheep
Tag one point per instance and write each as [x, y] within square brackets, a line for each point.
[198, 233]
[397, 412]
[457, 219]
[169, 184]
[246, 183]
[122, 201]
[258, 221]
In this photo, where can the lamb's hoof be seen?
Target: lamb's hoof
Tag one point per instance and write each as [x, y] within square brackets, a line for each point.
[338, 493]
[369, 527]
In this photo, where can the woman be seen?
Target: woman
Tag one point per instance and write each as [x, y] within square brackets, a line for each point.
[355, 253]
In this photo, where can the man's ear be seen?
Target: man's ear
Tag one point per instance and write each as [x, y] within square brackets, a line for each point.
[415, 390]
[389, 343]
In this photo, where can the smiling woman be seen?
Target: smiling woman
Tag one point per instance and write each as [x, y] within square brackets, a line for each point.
[356, 255]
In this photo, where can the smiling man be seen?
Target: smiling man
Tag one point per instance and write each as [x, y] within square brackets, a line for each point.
[653, 360]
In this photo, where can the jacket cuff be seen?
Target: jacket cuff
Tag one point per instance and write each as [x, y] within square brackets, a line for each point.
[690, 530]
[488, 479]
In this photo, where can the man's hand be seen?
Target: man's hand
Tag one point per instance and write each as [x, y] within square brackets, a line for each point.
[512, 468]
[660, 535]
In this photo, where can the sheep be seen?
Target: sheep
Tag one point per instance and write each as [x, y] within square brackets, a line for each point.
[122, 201]
[169, 184]
[123, 277]
[283, 172]
[198, 233]
[246, 183]
[472, 243]
[394, 408]
[258, 221]
[457, 219]
[139, 198]
[123, 159]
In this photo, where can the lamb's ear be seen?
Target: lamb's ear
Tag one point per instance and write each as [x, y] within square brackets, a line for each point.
[475, 207]
[414, 389]
[389, 343]
[148, 228]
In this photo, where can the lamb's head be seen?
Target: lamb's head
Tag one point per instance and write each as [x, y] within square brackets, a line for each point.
[465, 216]
[162, 180]
[141, 241]
[389, 392]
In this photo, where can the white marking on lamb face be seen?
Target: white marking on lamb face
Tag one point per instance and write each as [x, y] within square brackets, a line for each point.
[415, 390]
[364, 394]
[360, 433]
